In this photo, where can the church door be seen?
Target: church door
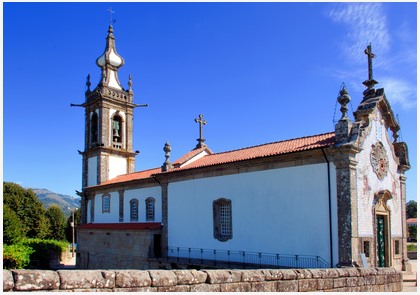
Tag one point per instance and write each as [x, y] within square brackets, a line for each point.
[380, 240]
[382, 218]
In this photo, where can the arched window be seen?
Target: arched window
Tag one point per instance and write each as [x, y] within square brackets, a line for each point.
[134, 210]
[116, 131]
[222, 219]
[150, 209]
[106, 203]
[94, 128]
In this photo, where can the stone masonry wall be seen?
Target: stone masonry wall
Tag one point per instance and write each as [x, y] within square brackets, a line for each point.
[275, 280]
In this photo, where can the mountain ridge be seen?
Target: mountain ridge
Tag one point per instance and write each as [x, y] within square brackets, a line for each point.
[49, 198]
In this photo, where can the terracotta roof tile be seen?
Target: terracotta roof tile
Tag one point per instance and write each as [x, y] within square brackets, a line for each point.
[133, 176]
[264, 150]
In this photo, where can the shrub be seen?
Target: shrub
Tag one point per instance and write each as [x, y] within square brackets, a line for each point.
[16, 256]
[44, 250]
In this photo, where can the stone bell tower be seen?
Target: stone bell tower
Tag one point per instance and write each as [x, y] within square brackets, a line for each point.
[108, 121]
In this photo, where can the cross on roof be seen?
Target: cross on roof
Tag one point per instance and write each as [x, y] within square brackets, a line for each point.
[370, 82]
[370, 55]
[201, 122]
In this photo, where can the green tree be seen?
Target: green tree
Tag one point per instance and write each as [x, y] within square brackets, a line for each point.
[12, 227]
[57, 222]
[411, 209]
[29, 210]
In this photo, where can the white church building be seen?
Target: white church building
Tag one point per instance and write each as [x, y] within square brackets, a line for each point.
[324, 200]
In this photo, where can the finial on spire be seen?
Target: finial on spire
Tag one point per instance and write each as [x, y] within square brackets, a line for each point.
[88, 83]
[370, 82]
[201, 122]
[130, 82]
[343, 100]
[167, 164]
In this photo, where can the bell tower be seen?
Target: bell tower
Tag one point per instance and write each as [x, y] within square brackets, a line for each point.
[108, 121]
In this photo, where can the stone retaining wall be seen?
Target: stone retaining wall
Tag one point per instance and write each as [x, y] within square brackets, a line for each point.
[274, 280]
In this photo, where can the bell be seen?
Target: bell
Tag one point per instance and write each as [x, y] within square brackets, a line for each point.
[116, 133]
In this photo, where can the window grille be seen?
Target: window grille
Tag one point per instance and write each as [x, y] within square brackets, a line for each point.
[222, 219]
[134, 210]
[106, 203]
[150, 209]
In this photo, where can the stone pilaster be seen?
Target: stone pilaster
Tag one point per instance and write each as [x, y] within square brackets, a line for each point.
[92, 208]
[406, 266]
[103, 169]
[104, 127]
[83, 209]
[121, 205]
[84, 171]
[129, 130]
[346, 207]
[164, 239]
[131, 162]
[343, 130]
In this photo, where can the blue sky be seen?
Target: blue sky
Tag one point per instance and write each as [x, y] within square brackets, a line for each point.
[259, 72]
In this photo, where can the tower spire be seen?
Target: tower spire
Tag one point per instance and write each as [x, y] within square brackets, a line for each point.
[110, 61]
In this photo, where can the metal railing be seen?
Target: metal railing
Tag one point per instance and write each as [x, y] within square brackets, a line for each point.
[241, 259]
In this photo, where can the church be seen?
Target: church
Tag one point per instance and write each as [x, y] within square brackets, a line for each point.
[245, 207]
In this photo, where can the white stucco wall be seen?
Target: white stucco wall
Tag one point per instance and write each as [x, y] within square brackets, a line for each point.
[368, 183]
[113, 215]
[117, 166]
[282, 211]
[92, 171]
[141, 195]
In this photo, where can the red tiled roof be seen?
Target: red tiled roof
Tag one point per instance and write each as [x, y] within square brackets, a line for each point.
[133, 176]
[412, 220]
[264, 150]
[121, 226]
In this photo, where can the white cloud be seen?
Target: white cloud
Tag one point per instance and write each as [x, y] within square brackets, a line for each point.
[399, 92]
[366, 23]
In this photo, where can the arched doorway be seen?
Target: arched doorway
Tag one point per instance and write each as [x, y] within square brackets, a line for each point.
[382, 228]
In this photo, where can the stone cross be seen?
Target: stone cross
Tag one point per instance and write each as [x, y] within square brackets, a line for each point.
[201, 122]
[370, 82]
[370, 55]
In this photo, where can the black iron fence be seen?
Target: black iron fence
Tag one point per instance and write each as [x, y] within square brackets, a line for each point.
[241, 259]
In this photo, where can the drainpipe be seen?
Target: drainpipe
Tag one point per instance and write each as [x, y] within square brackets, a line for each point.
[329, 207]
